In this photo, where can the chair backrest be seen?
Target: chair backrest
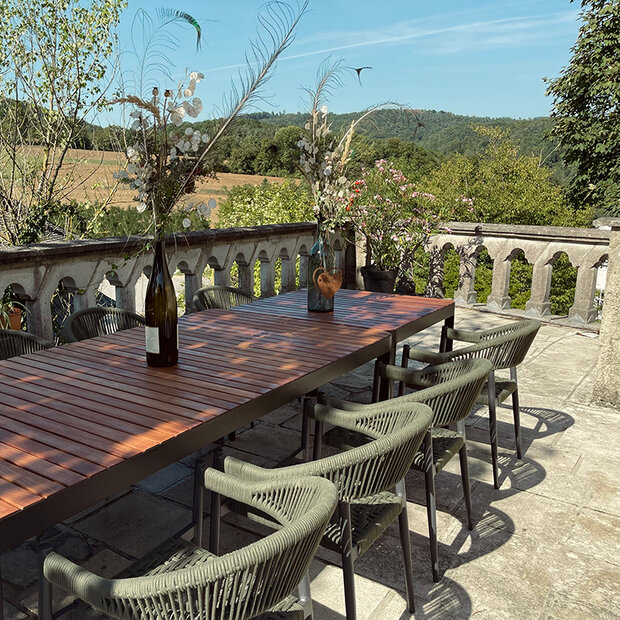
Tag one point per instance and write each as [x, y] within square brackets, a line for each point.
[223, 297]
[397, 427]
[504, 347]
[98, 321]
[449, 389]
[240, 584]
[13, 343]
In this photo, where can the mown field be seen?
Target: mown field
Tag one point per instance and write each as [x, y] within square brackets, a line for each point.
[93, 180]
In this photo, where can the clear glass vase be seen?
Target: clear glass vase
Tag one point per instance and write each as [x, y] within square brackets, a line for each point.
[322, 259]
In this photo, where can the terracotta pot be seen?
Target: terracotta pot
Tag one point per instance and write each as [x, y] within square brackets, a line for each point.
[377, 280]
[15, 319]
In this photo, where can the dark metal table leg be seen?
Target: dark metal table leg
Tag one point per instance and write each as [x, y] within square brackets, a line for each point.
[216, 508]
[1, 596]
[386, 387]
[45, 587]
[445, 344]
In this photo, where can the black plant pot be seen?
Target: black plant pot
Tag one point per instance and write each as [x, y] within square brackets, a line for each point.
[377, 280]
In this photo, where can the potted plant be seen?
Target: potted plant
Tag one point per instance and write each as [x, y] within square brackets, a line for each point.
[393, 219]
[10, 313]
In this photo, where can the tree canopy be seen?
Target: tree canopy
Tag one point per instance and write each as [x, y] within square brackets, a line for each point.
[586, 107]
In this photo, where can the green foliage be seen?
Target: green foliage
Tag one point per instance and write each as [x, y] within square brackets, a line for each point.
[507, 187]
[97, 221]
[53, 67]
[563, 281]
[268, 203]
[587, 107]
[520, 287]
[440, 133]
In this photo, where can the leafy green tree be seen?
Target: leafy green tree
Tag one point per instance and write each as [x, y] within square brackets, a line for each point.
[506, 187]
[54, 71]
[586, 100]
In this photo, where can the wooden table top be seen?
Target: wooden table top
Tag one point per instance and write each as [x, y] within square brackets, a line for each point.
[401, 315]
[85, 420]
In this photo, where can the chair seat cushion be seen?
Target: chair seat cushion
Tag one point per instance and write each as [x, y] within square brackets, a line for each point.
[446, 443]
[175, 554]
[503, 389]
[370, 517]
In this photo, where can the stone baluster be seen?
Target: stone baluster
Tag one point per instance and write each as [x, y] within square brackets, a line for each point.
[583, 309]
[539, 304]
[39, 318]
[246, 277]
[289, 276]
[434, 287]
[499, 299]
[466, 293]
[221, 277]
[126, 296]
[267, 276]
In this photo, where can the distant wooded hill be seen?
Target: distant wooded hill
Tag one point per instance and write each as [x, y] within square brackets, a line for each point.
[264, 143]
[443, 132]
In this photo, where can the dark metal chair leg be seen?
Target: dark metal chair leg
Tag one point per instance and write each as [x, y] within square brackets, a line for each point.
[318, 439]
[305, 429]
[198, 500]
[493, 428]
[515, 412]
[1, 595]
[431, 508]
[216, 509]
[466, 486]
[405, 543]
[344, 511]
[45, 587]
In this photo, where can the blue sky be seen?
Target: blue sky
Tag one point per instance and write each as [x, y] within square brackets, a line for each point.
[478, 57]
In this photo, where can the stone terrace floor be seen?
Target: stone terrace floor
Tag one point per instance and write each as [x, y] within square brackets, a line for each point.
[546, 545]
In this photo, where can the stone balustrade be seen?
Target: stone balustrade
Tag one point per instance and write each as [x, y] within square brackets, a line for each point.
[586, 248]
[34, 272]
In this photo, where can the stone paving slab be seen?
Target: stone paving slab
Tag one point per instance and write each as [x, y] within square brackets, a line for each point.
[545, 546]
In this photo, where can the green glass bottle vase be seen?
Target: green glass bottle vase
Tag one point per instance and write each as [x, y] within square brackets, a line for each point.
[160, 311]
[321, 259]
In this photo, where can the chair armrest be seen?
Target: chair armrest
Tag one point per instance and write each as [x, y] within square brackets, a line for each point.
[424, 355]
[330, 402]
[464, 335]
[73, 578]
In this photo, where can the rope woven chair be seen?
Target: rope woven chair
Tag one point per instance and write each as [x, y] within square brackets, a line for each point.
[365, 477]
[223, 297]
[14, 343]
[183, 581]
[98, 321]
[450, 390]
[505, 347]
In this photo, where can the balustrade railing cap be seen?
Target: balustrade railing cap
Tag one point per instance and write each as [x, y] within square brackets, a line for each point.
[539, 233]
[120, 246]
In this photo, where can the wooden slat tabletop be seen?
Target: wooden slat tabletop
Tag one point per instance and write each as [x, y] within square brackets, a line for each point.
[82, 421]
[401, 315]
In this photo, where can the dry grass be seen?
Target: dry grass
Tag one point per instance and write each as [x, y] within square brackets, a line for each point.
[94, 172]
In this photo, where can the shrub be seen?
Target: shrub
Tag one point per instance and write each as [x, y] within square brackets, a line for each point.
[267, 203]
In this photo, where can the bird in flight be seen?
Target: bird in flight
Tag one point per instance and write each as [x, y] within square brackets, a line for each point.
[359, 70]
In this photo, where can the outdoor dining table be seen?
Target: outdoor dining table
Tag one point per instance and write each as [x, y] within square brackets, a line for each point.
[83, 421]
[400, 315]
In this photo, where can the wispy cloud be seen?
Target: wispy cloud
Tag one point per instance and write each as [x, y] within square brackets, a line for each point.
[496, 33]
